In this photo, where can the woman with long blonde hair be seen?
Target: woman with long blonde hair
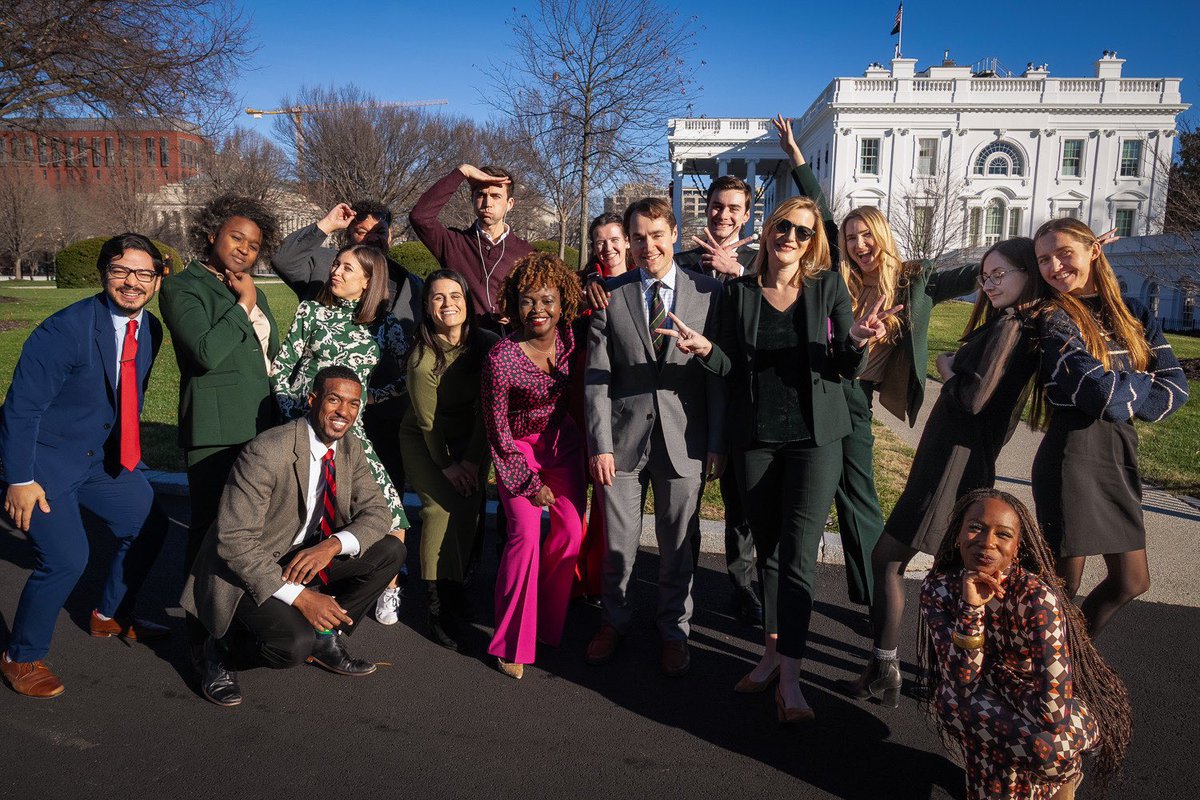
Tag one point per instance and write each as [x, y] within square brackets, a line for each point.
[788, 339]
[1105, 362]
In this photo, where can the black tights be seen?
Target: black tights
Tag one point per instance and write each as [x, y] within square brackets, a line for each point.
[889, 559]
[1128, 576]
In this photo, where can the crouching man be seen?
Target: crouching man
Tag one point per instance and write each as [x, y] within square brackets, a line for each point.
[299, 550]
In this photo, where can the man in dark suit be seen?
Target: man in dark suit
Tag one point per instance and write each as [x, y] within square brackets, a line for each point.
[70, 440]
[299, 550]
[654, 417]
[720, 254]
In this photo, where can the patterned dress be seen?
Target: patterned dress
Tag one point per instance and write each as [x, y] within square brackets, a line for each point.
[322, 336]
[1010, 703]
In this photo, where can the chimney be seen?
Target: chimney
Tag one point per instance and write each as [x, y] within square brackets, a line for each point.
[1109, 66]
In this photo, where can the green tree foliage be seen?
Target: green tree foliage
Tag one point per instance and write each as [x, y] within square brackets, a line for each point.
[571, 257]
[414, 257]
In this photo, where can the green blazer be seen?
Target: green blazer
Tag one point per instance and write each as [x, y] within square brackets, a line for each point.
[224, 395]
[925, 289]
[832, 357]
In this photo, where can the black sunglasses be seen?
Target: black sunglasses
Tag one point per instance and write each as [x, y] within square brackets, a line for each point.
[803, 232]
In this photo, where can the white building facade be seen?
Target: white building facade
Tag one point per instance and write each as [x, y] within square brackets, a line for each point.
[957, 158]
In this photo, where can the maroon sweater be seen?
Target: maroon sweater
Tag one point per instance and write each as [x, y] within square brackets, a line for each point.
[467, 251]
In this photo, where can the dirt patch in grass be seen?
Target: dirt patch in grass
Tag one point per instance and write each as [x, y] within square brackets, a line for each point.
[1191, 368]
[12, 324]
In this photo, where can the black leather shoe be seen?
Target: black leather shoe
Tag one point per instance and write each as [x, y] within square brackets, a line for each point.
[747, 605]
[329, 652]
[218, 684]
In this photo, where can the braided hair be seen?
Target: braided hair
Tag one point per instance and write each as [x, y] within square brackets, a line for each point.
[1095, 682]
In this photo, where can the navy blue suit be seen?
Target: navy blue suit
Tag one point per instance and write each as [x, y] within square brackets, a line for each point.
[60, 428]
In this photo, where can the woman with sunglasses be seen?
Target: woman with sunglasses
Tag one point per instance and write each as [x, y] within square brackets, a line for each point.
[895, 371]
[788, 339]
[987, 382]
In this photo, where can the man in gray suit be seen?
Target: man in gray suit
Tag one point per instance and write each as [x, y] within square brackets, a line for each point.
[654, 417]
[299, 550]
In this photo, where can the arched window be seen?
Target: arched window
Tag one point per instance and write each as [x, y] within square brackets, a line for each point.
[999, 158]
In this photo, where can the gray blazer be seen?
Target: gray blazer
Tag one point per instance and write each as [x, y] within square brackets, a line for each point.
[261, 510]
[627, 390]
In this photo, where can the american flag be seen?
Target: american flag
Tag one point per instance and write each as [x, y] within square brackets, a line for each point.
[899, 16]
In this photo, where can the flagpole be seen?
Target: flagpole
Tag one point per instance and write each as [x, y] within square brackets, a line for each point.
[900, 39]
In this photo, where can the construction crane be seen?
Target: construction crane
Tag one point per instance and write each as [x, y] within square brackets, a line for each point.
[297, 113]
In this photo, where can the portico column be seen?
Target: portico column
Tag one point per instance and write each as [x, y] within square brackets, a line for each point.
[677, 191]
[722, 167]
[752, 182]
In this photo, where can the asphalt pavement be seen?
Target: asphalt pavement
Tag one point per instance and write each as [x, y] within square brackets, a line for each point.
[434, 723]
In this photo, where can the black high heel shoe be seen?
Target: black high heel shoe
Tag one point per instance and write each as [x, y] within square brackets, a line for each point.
[880, 679]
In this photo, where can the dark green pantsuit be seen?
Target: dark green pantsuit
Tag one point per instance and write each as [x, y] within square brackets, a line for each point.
[860, 521]
[787, 490]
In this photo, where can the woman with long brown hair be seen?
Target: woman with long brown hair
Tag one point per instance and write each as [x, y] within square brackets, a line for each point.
[1014, 679]
[788, 340]
[987, 382]
[1105, 362]
[348, 325]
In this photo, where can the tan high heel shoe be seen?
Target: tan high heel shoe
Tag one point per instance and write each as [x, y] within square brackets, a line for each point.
[747, 685]
[791, 716]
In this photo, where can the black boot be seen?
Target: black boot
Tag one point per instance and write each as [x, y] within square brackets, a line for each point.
[454, 593]
[880, 679]
[441, 619]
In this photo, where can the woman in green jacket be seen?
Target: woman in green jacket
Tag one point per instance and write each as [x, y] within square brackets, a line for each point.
[224, 337]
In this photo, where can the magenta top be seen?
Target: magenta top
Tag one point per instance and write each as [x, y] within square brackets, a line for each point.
[520, 400]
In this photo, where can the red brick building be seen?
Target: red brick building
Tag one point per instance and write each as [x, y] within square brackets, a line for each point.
[93, 152]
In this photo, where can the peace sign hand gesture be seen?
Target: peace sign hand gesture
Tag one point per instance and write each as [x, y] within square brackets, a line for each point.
[870, 327]
[688, 341]
[718, 257]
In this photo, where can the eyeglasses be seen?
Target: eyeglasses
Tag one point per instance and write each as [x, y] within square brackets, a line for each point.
[803, 232]
[119, 273]
[995, 278]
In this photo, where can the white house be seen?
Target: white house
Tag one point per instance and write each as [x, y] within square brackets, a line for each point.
[959, 157]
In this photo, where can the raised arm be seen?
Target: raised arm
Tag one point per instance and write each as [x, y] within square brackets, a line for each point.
[946, 613]
[207, 342]
[806, 182]
[947, 284]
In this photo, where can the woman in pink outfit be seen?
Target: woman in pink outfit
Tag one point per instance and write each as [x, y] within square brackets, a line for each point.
[538, 451]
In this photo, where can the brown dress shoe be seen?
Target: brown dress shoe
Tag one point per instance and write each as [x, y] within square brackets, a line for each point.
[32, 679]
[676, 660]
[136, 630]
[603, 645]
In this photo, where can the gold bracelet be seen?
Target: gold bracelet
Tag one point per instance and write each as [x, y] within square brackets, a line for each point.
[967, 642]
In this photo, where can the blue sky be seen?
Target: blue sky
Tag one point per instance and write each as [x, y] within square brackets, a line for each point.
[759, 58]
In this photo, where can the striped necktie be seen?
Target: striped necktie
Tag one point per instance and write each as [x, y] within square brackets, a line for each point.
[658, 318]
[328, 503]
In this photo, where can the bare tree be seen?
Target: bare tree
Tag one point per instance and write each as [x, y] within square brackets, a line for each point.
[351, 145]
[615, 69]
[926, 220]
[167, 58]
[24, 204]
[246, 163]
[1183, 189]
[552, 150]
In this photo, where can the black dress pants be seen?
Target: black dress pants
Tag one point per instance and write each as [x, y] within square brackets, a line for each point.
[788, 488]
[278, 635]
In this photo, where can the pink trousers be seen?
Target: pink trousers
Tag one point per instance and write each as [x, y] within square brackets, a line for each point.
[533, 585]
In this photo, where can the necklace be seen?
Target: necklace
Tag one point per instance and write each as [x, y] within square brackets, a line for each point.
[487, 273]
[553, 346]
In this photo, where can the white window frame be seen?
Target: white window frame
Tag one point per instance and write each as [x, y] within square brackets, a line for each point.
[1137, 166]
[858, 164]
[1062, 157]
[932, 170]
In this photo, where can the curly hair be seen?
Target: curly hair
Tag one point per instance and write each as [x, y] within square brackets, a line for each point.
[208, 220]
[538, 271]
[1095, 682]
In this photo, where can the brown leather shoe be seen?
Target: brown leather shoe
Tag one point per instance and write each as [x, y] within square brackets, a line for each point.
[603, 645]
[32, 678]
[676, 660]
[135, 630]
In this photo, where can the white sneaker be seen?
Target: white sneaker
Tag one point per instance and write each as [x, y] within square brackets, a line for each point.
[388, 606]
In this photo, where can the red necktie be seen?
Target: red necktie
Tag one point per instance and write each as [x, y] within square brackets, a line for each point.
[131, 440]
[328, 503]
